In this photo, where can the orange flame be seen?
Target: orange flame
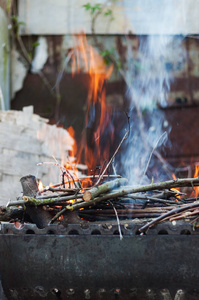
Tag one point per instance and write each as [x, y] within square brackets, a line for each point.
[176, 190]
[196, 188]
[73, 152]
[86, 59]
[40, 186]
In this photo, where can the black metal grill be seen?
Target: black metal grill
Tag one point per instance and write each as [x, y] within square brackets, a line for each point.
[91, 262]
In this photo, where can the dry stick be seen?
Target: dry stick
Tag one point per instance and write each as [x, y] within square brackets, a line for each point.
[97, 176]
[95, 191]
[56, 195]
[62, 169]
[139, 189]
[164, 201]
[128, 211]
[103, 188]
[118, 221]
[51, 189]
[57, 215]
[194, 220]
[185, 215]
[170, 213]
[101, 176]
[37, 202]
[133, 215]
[48, 188]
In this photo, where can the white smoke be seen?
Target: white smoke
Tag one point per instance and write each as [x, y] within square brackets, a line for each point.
[148, 77]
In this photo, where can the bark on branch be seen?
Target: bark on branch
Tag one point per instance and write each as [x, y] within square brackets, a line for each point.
[188, 182]
[168, 214]
[103, 188]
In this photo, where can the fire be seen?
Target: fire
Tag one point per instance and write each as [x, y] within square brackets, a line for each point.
[177, 190]
[196, 188]
[40, 186]
[71, 131]
[86, 59]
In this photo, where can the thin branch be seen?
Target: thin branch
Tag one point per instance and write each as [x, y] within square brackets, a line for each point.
[156, 144]
[62, 169]
[118, 221]
[57, 195]
[154, 199]
[116, 151]
[170, 213]
[57, 215]
[139, 189]
[38, 202]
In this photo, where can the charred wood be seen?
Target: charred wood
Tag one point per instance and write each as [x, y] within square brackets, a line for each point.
[38, 215]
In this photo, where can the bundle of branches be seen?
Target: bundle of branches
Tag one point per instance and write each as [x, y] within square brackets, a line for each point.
[101, 202]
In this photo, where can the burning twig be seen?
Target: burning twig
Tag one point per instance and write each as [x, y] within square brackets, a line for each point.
[64, 171]
[81, 179]
[61, 212]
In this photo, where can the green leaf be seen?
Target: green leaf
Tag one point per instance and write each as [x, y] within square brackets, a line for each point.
[15, 19]
[87, 6]
[92, 9]
[107, 52]
[95, 8]
[34, 45]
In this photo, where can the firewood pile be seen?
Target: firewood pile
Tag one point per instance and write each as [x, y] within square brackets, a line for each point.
[106, 198]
